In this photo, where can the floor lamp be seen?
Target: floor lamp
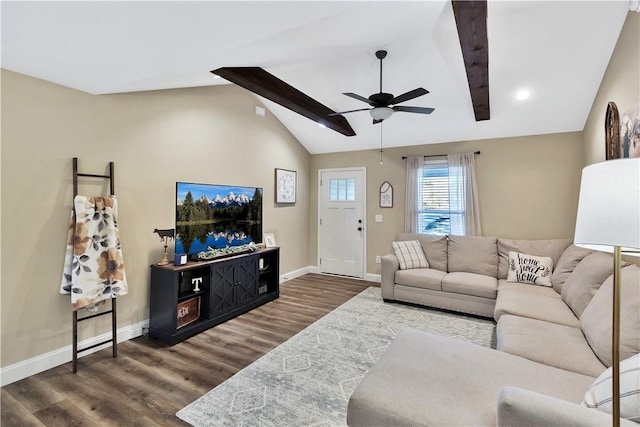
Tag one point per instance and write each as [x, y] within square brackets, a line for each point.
[608, 220]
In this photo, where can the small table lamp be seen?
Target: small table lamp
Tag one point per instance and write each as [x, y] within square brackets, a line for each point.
[608, 220]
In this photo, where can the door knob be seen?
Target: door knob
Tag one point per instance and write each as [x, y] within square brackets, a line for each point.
[359, 221]
[359, 228]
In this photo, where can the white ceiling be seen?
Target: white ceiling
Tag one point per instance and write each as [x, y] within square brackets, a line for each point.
[558, 50]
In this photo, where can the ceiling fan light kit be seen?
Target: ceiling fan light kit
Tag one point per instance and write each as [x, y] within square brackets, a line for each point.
[381, 113]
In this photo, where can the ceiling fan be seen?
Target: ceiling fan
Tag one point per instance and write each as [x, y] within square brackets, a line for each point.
[383, 104]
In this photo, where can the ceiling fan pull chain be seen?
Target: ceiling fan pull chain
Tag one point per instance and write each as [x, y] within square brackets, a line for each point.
[381, 143]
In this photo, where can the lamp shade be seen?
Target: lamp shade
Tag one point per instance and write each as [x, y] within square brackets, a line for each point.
[381, 113]
[609, 206]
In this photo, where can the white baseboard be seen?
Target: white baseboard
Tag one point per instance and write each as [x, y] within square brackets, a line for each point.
[40, 363]
[26, 368]
[297, 273]
[373, 277]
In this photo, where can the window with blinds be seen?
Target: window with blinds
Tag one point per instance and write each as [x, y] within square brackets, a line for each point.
[434, 200]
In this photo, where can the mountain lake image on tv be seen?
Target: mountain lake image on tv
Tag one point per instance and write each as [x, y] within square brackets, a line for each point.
[216, 216]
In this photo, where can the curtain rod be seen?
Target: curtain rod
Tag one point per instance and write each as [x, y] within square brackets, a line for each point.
[439, 155]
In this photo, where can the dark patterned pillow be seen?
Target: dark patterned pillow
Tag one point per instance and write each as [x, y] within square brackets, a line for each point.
[410, 254]
[532, 269]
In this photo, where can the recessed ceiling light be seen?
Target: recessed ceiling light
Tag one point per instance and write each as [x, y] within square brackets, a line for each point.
[523, 94]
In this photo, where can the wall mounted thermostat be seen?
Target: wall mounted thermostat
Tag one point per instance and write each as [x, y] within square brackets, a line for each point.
[180, 259]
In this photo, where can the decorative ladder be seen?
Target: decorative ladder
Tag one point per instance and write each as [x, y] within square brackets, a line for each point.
[113, 339]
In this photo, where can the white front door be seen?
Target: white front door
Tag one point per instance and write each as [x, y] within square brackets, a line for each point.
[341, 228]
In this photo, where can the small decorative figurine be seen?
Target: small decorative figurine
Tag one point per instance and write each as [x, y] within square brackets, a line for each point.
[165, 236]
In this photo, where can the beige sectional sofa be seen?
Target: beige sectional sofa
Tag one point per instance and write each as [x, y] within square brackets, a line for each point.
[552, 342]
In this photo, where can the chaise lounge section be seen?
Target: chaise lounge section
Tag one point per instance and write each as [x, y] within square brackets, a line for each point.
[553, 342]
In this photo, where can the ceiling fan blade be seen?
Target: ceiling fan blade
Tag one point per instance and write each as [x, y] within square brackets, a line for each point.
[358, 97]
[350, 111]
[419, 110]
[375, 122]
[260, 82]
[409, 95]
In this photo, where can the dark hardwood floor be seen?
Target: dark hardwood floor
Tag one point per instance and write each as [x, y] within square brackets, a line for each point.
[149, 382]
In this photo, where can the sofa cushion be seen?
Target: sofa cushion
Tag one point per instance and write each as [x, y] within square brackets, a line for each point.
[596, 318]
[527, 289]
[435, 248]
[410, 254]
[534, 306]
[533, 338]
[471, 284]
[566, 264]
[427, 379]
[426, 278]
[585, 280]
[599, 394]
[552, 248]
[525, 268]
[473, 254]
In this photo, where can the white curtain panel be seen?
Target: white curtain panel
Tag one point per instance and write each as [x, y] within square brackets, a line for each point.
[413, 197]
[463, 195]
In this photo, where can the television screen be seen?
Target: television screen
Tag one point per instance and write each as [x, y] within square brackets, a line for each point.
[216, 216]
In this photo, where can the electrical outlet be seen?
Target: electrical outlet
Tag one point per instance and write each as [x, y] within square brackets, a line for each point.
[378, 261]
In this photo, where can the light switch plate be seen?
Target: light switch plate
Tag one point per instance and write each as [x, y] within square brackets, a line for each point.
[378, 218]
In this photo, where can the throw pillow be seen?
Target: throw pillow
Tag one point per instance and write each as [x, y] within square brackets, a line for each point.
[532, 269]
[552, 248]
[599, 395]
[434, 247]
[410, 254]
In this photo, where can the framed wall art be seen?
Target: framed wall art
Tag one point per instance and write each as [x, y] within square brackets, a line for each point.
[630, 132]
[386, 195]
[269, 240]
[286, 182]
[622, 132]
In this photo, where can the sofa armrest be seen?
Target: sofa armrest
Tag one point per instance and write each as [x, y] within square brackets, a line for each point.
[518, 407]
[388, 267]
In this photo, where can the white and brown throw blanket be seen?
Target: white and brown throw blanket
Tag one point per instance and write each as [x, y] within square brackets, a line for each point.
[93, 267]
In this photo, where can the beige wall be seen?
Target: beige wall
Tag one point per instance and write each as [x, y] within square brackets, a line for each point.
[620, 84]
[206, 135]
[528, 187]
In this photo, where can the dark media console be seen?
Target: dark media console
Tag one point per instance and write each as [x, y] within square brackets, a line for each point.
[191, 298]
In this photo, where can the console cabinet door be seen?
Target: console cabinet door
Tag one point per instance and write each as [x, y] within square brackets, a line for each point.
[246, 270]
[222, 290]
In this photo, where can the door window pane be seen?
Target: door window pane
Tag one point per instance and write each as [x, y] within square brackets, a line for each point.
[342, 190]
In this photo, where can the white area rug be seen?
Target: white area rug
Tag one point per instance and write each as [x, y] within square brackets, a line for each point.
[307, 380]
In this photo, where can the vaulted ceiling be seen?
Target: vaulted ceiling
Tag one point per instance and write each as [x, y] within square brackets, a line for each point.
[558, 51]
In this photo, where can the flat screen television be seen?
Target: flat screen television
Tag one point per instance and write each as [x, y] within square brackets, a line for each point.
[216, 216]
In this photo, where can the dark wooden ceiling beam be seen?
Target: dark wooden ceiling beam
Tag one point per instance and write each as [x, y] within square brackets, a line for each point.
[471, 21]
[262, 83]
